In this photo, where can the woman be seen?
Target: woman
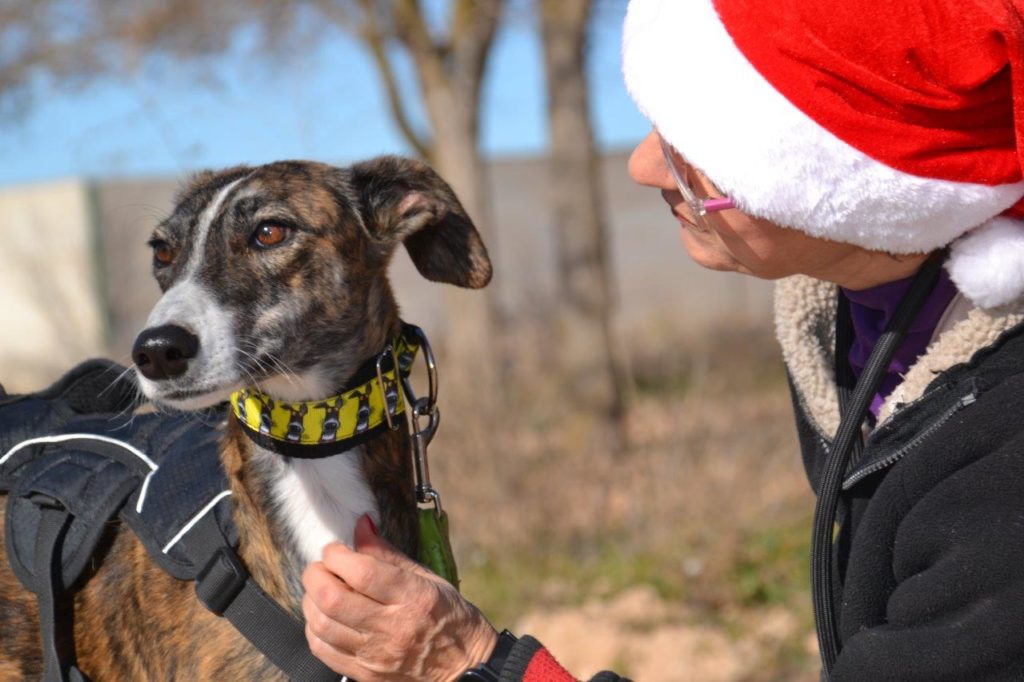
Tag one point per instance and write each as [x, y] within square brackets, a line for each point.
[868, 155]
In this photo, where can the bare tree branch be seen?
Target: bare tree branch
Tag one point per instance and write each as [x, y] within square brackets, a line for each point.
[594, 371]
[376, 42]
[474, 24]
[411, 29]
[430, 57]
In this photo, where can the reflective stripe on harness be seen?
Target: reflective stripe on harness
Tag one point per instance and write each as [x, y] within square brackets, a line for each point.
[67, 474]
[63, 538]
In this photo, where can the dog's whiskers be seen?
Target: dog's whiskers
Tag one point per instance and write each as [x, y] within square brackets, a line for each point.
[137, 398]
[248, 371]
[286, 371]
[277, 365]
[120, 377]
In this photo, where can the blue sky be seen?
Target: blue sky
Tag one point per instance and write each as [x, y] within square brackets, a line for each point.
[326, 104]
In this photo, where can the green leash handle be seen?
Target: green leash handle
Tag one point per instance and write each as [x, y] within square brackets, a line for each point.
[435, 545]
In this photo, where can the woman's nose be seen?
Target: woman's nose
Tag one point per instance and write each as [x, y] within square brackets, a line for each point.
[647, 164]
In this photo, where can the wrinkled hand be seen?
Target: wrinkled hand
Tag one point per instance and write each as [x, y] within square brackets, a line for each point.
[374, 614]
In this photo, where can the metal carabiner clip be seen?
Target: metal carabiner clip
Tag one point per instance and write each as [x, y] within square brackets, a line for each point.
[422, 435]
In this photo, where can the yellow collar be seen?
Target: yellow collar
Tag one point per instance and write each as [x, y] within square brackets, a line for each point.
[318, 428]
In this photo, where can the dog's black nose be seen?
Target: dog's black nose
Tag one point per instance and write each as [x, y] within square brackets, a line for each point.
[164, 352]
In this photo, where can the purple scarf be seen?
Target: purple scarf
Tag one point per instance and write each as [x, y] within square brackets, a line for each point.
[871, 310]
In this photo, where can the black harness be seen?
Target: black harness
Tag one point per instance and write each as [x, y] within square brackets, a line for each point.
[73, 458]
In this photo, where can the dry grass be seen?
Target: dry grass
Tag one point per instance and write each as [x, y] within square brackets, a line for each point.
[708, 506]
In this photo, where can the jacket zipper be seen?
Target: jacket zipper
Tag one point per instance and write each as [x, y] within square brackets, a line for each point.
[917, 440]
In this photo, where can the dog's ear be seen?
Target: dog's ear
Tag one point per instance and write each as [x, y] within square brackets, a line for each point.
[406, 201]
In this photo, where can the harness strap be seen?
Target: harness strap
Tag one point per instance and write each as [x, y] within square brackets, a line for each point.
[56, 618]
[225, 587]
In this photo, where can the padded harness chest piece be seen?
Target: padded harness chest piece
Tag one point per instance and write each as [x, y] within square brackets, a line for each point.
[68, 473]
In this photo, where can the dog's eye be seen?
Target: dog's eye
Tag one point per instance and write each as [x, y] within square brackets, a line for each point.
[270, 235]
[163, 254]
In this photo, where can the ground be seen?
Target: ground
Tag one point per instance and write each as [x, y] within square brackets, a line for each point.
[683, 556]
[639, 634]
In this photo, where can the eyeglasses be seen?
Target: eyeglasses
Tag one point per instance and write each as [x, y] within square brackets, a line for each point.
[699, 206]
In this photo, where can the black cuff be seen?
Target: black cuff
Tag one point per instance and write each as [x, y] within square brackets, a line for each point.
[523, 652]
[518, 659]
[608, 676]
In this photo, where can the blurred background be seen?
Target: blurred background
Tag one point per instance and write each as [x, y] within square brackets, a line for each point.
[616, 453]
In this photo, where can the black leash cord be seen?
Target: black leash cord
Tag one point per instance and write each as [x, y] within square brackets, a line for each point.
[845, 379]
[835, 465]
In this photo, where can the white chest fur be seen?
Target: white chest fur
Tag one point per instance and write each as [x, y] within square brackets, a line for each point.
[320, 500]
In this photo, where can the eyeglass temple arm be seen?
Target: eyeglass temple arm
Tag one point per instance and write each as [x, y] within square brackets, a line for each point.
[711, 205]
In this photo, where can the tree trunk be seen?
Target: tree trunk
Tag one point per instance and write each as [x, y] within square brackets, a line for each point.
[450, 75]
[587, 341]
[470, 340]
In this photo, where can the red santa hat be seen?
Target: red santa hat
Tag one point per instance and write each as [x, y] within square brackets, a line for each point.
[896, 126]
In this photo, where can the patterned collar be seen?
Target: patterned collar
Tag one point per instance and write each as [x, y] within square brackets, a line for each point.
[320, 428]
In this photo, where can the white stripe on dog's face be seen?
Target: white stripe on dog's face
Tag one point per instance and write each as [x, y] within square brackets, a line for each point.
[212, 375]
[195, 257]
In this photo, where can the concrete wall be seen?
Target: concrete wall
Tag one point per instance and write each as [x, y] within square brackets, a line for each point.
[52, 313]
[660, 290]
[127, 211]
[72, 301]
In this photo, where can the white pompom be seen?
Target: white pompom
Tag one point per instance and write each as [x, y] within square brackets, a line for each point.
[987, 263]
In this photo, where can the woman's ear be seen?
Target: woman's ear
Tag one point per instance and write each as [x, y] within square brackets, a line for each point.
[404, 200]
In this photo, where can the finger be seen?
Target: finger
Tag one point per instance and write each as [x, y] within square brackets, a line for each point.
[337, 660]
[368, 541]
[339, 635]
[369, 576]
[334, 598]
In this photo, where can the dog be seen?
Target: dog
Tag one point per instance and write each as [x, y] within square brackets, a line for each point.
[274, 278]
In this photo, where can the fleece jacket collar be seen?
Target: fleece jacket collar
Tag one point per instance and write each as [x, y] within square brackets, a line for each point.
[805, 310]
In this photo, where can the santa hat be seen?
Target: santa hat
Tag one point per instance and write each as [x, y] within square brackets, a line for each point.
[896, 126]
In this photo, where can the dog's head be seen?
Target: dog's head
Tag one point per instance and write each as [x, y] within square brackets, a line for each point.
[276, 276]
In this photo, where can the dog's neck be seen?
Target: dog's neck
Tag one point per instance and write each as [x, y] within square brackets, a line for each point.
[313, 502]
[335, 372]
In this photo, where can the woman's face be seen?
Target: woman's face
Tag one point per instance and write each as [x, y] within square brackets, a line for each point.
[741, 243]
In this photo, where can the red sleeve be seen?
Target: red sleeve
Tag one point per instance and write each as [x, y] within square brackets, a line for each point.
[544, 668]
[529, 661]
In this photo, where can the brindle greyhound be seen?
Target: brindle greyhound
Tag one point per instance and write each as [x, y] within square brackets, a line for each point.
[273, 278]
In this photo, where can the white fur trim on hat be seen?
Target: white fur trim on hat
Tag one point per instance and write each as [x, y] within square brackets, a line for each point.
[689, 78]
[987, 264]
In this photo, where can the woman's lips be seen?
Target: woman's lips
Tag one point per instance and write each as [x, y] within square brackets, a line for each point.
[687, 223]
[676, 206]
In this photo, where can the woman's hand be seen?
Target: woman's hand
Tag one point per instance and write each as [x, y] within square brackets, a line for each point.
[374, 614]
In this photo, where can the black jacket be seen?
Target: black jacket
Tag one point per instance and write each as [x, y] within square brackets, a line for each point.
[930, 552]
